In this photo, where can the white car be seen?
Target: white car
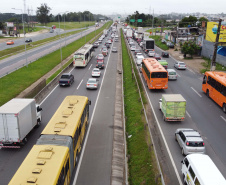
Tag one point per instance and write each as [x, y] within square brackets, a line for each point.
[96, 72]
[92, 83]
[131, 42]
[132, 48]
[141, 44]
[151, 53]
[139, 54]
[180, 65]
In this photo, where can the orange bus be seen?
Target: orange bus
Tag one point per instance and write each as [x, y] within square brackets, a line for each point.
[154, 74]
[214, 85]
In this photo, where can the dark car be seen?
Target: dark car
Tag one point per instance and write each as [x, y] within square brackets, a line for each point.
[28, 40]
[165, 54]
[66, 79]
[157, 57]
[171, 45]
[100, 64]
[107, 45]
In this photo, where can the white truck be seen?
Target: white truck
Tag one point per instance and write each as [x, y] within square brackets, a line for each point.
[105, 32]
[173, 107]
[129, 33]
[17, 118]
[148, 44]
[140, 30]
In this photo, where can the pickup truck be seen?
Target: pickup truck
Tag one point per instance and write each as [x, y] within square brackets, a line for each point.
[66, 79]
[173, 107]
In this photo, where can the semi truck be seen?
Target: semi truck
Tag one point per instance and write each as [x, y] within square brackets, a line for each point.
[148, 44]
[173, 107]
[17, 118]
[129, 33]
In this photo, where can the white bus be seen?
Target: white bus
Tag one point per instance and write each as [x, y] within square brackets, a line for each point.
[82, 56]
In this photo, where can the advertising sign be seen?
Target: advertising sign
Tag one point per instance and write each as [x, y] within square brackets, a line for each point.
[10, 24]
[211, 32]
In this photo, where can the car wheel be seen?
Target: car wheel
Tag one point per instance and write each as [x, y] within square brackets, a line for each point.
[176, 138]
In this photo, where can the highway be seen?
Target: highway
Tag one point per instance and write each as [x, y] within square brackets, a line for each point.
[14, 62]
[202, 114]
[100, 133]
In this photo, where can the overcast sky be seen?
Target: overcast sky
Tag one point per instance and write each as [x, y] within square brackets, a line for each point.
[122, 7]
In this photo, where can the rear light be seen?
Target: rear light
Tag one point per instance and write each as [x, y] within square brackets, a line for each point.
[95, 84]
[203, 143]
[179, 66]
[68, 82]
[88, 84]
[84, 62]
[187, 143]
[16, 114]
[102, 65]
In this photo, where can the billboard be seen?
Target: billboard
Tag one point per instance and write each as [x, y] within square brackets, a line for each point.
[10, 24]
[211, 32]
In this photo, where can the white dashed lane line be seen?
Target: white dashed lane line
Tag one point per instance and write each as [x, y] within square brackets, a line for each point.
[80, 83]
[223, 118]
[90, 66]
[188, 114]
[196, 92]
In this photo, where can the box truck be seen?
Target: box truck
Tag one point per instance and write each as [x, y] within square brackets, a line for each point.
[173, 107]
[17, 118]
[129, 33]
[148, 44]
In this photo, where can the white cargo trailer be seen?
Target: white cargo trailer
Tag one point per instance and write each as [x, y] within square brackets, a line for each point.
[17, 118]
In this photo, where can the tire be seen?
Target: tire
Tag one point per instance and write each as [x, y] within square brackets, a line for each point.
[224, 108]
[38, 123]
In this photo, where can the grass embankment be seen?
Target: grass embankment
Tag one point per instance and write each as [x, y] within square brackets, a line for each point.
[18, 49]
[69, 25]
[14, 83]
[156, 29]
[158, 42]
[207, 65]
[141, 161]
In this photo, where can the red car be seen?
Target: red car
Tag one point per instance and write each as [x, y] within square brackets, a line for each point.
[157, 57]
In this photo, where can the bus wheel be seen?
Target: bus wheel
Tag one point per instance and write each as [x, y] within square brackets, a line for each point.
[207, 93]
[224, 108]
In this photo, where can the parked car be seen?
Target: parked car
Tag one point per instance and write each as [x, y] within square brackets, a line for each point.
[66, 79]
[28, 40]
[180, 65]
[163, 41]
[165, 54]
[100, 57]
[92, 83]
[96, 44]
[114, 50]
[96, 72]
[151, 53]
[157, 56]
[133, 48]
[171, 45]
[10, 42]
[190, 141]
[172, 74]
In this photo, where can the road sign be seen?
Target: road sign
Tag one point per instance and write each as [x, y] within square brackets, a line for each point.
[139, 20]
[119, 17]
[132, 20]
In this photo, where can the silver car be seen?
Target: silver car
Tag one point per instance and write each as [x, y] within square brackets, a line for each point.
[172, 74]
[190, 141]
[180, 65]
[151, 53]
[96, 72]
[92, 83]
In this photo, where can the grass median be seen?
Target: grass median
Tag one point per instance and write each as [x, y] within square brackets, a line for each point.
[14, 83]
[158, 42]
[141, 163]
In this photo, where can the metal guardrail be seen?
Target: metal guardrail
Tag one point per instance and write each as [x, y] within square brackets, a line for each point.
[145, 114]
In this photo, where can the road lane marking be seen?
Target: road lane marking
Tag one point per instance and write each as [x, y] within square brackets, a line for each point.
[80, 83]
[90, 66]
[90, 124]
[196, 92]
[188, 114]
[223, 118]
[178, 75]
[191, 70]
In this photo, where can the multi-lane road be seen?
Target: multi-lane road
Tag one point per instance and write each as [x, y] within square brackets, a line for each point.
[96, 156]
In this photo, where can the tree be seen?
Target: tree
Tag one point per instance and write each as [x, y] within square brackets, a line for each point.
[42, 13]
[191, 20]
[190, 48]
[1, 26]
[201, 19]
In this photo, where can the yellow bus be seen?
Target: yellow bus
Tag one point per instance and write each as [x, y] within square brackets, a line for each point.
[154, 74]
[52, 160]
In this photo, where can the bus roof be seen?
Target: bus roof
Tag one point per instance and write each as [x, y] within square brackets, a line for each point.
[219, 76]
[42, 165]
[84, 49]
[205, 169]
[67, 116]
[153, 65]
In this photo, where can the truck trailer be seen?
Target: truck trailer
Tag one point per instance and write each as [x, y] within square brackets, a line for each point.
[148, 44]
[173, 107]
[17, 118]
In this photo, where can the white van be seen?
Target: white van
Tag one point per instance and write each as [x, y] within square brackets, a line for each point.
[172, 74]
[139, 60]
[199, 169]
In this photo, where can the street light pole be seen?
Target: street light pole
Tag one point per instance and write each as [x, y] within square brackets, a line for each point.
[24, 34]
[60, 44]
[64, 29]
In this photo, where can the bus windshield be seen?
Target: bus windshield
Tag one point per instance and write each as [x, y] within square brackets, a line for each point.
[158, 75]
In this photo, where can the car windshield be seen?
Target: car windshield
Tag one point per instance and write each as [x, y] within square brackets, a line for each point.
[181, 63]
[65, 76]
[96, 70]
[100, 56]
[91, 81]
[195, 144]
[172, 73]
[104, 50]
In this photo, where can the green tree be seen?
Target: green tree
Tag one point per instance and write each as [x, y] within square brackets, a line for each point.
[190, 48]
[191, 20]
[1, 26]
[201, 19]
[42, 13]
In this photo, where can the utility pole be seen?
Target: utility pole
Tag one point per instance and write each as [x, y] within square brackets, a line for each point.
[152, 22]
[213, 62]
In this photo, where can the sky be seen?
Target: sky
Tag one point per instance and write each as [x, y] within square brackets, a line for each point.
[123, 7]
